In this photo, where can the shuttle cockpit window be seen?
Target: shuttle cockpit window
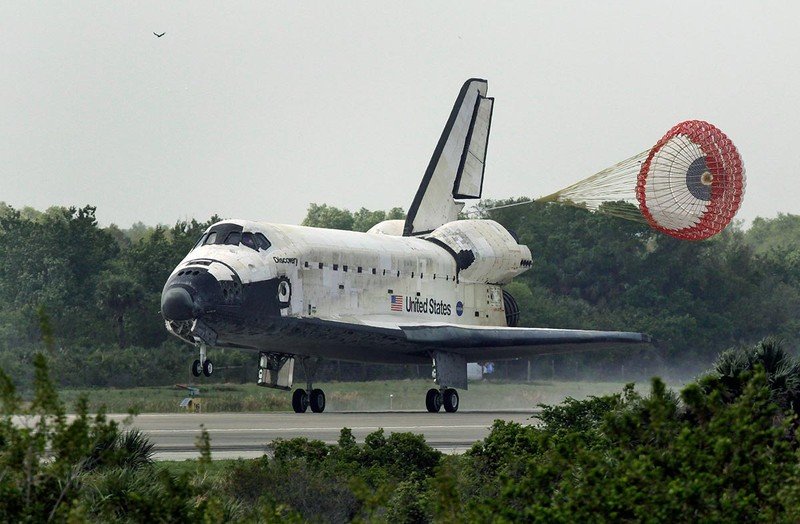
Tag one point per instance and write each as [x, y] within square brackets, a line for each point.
[249, 241]
[255, 241]
[233, 239]
[262, 242]
[199, 242]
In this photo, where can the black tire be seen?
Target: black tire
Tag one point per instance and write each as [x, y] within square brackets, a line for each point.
[433, 400]
[450, 400]
[208, 367]
[197, 368]
[299, 401]
[317, 401]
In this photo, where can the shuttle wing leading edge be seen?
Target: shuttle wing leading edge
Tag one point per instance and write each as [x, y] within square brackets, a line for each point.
[457, 165]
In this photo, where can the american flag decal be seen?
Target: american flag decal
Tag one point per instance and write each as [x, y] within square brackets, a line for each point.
[396, 302]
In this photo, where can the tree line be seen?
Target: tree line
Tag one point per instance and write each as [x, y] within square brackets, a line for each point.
[95, 290]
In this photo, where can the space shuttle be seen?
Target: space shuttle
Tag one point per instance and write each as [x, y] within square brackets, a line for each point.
[425, 290]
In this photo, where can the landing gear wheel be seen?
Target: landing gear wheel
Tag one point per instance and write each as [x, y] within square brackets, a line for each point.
[197, 368]
[433, 400]
[299, 401]
[317, 401]
[450, 400]
[208, 367]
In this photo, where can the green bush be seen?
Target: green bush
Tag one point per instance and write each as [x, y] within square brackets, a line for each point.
[337, 483]
[56, 469]
[722, 450]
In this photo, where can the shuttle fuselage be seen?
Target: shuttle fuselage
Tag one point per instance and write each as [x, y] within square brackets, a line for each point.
[247, 294]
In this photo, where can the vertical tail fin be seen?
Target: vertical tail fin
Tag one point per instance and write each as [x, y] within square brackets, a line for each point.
[457, 165]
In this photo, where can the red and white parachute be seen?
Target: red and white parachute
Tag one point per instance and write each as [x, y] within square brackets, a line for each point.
[689, 185]
[692, 182]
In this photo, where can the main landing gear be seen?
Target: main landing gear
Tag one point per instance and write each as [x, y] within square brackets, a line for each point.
[449, 372]
[276, 370]
[436, 398]
[302, 399]
[203, 364]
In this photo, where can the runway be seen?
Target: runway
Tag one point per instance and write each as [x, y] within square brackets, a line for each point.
[245, 435]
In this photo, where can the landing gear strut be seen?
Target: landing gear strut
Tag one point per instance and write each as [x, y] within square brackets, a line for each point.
[303, 398]
[436, 398]
[202, 365]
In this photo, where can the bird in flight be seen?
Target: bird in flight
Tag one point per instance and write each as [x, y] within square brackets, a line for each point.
[159, 35]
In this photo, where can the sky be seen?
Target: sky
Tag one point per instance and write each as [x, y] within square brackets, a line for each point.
[255, 109]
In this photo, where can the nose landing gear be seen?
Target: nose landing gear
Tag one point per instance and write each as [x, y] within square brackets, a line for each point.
[202, 365]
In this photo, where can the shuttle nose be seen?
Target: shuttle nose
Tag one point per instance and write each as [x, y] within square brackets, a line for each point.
[194, 292]
[177, 304]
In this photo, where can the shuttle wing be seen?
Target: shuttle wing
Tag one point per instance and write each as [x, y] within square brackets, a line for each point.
[496, 343]
[476, 343]
[456, 167]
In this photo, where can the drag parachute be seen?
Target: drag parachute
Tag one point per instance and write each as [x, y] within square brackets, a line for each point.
[689, 185]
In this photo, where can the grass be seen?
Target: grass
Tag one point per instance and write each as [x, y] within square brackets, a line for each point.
[191, 466]
[341, 396]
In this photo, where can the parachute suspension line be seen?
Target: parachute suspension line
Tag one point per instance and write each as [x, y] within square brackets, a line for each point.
[612, 191]
[689, 185]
